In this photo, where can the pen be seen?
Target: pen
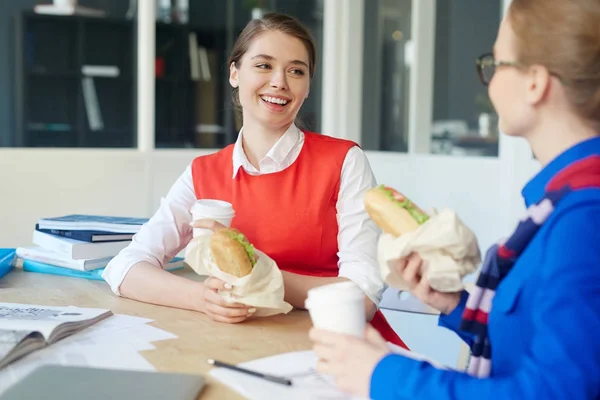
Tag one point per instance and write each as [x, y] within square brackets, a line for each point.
[271, 378]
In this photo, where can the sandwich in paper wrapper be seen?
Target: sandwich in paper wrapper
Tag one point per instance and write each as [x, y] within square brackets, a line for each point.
[255, 278]
[447, 246]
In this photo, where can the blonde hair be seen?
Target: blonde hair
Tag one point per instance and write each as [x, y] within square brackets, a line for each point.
[563, 36]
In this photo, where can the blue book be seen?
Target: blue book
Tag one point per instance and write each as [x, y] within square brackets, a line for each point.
[93, 223]
[7, 258]
[88, 236]
[95, 274]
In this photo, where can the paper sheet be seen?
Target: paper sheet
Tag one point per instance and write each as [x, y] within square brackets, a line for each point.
[298, 366]
[112, 343]
[118, 321]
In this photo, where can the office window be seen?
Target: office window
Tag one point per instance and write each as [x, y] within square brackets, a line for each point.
[67, 81]
[70, 81]
[420, 85]
[193, 95]
[464, 121]
[386, 74]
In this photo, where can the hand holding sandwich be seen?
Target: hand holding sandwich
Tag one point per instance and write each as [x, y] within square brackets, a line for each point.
[397, 215]
[244, 280]
[217, 309]
[409, 268]
[448, 247]
[215, 305]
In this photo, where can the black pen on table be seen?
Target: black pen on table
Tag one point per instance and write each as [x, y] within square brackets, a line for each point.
[271, 378]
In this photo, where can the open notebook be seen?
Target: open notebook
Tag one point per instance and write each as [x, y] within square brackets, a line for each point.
[25, 328]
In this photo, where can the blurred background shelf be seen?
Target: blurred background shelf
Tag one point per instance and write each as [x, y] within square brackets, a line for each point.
[193, 96]
[54, 90]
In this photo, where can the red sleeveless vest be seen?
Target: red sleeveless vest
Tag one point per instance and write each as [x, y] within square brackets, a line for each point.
[290, 215]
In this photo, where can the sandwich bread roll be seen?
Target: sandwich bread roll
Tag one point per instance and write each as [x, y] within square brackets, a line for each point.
[232, 252]
[393, 212]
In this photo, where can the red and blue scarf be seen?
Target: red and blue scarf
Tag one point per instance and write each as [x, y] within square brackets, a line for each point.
[500, 258]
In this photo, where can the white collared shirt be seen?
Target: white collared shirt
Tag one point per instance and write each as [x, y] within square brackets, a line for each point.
[283, 154]
[168, 231]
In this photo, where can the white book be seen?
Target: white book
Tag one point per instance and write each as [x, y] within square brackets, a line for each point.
[204, 63]
[51, 9]
[193, 55]
[92, 108]
[25, 328]
[93, 223]
[103, 71]
[50, 257]
[76, 249]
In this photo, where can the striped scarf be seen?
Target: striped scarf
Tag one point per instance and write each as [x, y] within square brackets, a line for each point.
[500, 258]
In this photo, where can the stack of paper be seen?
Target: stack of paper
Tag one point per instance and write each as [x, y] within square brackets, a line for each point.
[112, 343]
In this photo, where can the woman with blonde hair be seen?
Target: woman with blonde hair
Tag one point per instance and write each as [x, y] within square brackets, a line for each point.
[533, 319]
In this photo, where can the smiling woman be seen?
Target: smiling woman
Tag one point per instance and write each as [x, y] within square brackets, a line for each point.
[281, 83]
[314, 226]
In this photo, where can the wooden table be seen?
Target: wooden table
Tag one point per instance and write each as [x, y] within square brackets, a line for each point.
[199, 338]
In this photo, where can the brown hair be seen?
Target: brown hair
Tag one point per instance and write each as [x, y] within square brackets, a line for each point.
[563, 36]
[272, 22]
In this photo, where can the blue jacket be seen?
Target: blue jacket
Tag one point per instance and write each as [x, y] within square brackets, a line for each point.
[544, 326]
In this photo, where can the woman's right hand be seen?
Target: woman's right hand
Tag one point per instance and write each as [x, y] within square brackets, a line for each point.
[220, 310]
[409, 269]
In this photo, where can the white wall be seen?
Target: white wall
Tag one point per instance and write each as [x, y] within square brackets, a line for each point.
[37, 183]
[465, 185]
[50, 182]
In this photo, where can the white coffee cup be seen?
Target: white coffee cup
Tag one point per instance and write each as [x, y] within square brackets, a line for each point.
[338, 307]
[216, 210]
[64, 3]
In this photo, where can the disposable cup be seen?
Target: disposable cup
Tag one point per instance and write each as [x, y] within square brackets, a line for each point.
[216, 210]
[338, 307]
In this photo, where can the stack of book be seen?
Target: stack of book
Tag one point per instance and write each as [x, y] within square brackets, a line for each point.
[79, 245]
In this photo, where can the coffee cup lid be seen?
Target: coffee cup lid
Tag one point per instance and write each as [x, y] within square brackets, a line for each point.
[213, 208]
[334, 293]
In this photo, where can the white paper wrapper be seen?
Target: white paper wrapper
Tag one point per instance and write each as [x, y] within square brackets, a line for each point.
[262, 288]
[448, 248]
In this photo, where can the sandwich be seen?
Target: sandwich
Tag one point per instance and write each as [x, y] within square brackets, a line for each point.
[393, 212]
[232, 252]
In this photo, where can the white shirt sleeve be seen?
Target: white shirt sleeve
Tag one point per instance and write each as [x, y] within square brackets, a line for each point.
[358, 234]
[162, 237]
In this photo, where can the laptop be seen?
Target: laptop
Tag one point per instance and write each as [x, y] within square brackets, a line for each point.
[69, 382]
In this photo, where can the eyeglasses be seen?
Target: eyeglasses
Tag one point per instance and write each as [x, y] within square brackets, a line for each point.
[486, 67]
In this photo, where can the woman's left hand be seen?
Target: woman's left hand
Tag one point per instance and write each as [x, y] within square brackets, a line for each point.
[348, 359]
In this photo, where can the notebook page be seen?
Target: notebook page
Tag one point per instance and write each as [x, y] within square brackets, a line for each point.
[44, 319]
